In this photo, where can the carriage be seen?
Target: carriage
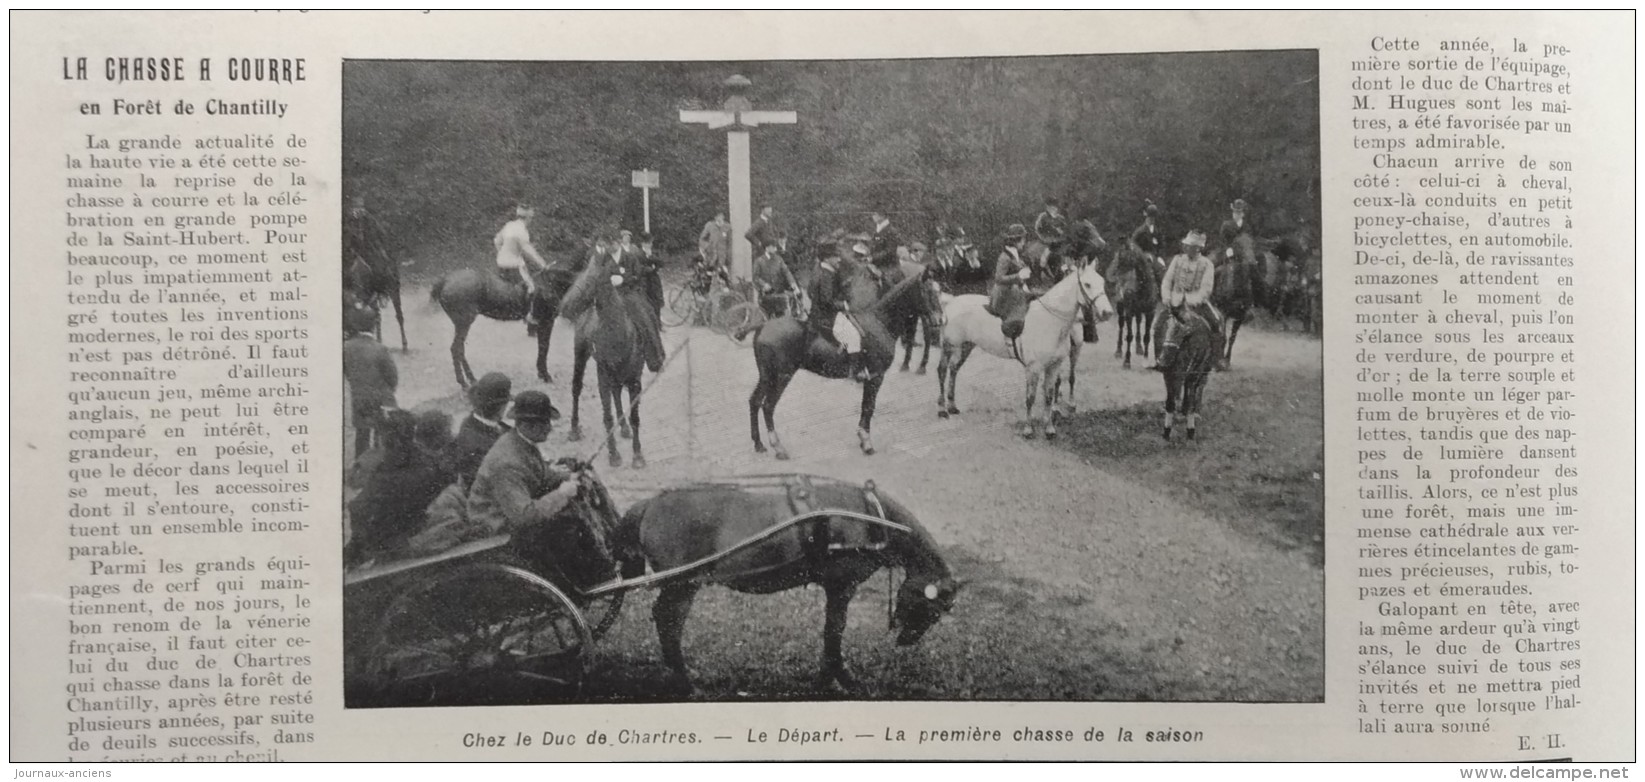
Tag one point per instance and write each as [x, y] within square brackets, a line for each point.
[500, 621]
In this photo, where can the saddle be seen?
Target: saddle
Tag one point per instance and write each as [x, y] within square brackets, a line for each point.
[1010, 304]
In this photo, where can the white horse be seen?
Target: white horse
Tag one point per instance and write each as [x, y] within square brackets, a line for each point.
[1049, 337]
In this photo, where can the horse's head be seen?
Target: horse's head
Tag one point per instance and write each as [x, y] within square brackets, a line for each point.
[920, 603]
[931, 304]
[592, 285]
[1093, 292]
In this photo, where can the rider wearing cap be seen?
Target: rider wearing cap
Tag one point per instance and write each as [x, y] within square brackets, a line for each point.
[514, 251]
[1185, 290]
[1008, 299]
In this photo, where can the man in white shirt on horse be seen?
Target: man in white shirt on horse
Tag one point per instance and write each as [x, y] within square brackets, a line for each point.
[514, 250]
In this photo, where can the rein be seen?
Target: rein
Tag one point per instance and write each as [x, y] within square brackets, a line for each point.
[1084, 301]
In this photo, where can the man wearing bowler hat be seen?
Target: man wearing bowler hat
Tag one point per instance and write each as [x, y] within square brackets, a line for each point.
[480, 430]
[516, 489]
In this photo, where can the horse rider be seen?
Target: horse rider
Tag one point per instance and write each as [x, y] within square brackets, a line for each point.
[514, 252]
[885, 243]
[371, 374]
[762, 231]
[1237, 225]
[481, 428]
[1008, 298]
[1051, 228]
[364, 241]
[714, 242]
[651, 274]
[1145, 239]
[1186, 290]
[829, 306]
[774, 280]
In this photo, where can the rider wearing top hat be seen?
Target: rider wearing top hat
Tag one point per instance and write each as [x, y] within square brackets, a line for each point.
[1237, 225]
[1051, 228]
[1145, 239]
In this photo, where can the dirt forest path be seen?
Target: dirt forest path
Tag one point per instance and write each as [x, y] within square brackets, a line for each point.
[1199, 608]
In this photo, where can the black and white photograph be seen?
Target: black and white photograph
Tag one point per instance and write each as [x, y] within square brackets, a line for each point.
[963, 379]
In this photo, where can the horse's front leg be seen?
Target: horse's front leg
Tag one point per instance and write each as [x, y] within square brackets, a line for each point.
[929, 334]
[609, 402]
[834, 668]
[944, 362]
[399, 316]
[865, 421]
[579, 365]
[633, 387]
[773, 395]
[544, 333]
[954, 375]
[756, 400]
[672, 608]
[1032, 381]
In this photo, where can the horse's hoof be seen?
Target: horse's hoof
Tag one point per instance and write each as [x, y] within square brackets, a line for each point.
[781, 455]
[1127, 363]
[759, 447]
[903, 368]
[1167, 434]
[575, 435]
[953, 410]
[1190, 434]
[942, 414]
[639, 462]
[1027, 432]
[920, 371]
[1050, 434]
[616, 459]
[625, 433]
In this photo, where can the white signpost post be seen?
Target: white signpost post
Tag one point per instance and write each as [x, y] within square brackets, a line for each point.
[736, 119]
[645, 179]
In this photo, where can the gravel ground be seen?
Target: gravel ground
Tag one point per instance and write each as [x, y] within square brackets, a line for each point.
[1105, 566]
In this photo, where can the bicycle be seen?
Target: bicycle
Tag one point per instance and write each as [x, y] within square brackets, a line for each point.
[701, 301]
[745, 319]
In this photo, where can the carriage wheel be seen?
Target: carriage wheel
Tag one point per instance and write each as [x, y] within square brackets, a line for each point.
[482, 635]
[682, 303]
[740, 322]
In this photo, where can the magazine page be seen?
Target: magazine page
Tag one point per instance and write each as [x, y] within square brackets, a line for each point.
[551, 386]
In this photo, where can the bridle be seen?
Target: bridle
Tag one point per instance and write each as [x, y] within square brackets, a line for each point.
[1084, 300]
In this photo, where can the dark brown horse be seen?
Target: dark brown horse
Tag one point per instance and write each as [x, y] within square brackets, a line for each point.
[1190, 354]
[466, 294]
[783, 347]
[1234, 294]
[617, 327]
[1133, 288]
[689, 524]
[368, 284]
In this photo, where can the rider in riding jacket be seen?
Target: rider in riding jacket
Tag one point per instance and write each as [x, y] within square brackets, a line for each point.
[1008, 299]
[364, 239]
[514, 250]
[1237, 225]
[829, 305]
[1186, 290]
[1145, 240]
[1051, 228]
[885, 244]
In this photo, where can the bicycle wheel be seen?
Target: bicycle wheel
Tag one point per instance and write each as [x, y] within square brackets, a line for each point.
[682, 303]
[741, 322]
[720, 302]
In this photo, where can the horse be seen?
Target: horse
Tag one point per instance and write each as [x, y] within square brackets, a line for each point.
[1191, 352]
[616, 326]
[955, 272]
[783, 346]
[1234, 294]
[1133, 287]
[466, 294]
[1048, 330]
[688, 524]
[368, 284]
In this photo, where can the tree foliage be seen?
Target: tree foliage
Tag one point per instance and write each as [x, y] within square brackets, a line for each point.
[442, 150]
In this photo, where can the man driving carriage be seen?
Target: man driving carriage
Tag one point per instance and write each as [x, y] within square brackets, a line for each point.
[514, 253]
[1185, 292]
